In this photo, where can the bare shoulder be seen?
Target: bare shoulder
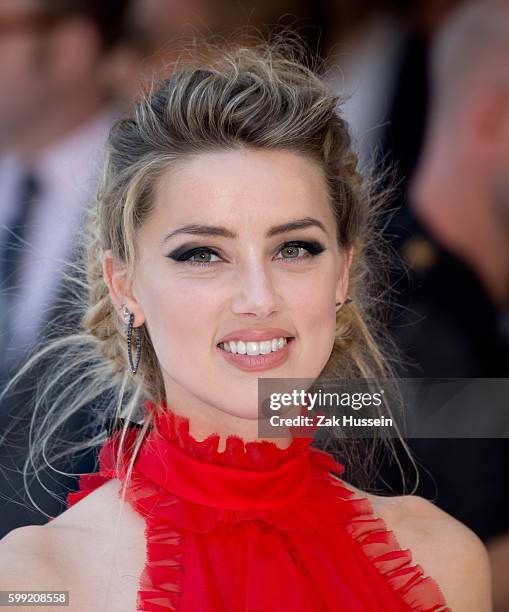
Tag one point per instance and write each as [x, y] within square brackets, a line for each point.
[90, 550]
[447, 550]
[26, 562]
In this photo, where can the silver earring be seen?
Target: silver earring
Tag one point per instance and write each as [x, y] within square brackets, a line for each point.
[129, 331]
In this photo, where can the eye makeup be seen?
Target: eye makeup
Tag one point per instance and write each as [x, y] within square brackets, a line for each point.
[183, 253]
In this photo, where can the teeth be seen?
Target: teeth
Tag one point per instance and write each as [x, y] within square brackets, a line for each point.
[254, 348]
[265, 347]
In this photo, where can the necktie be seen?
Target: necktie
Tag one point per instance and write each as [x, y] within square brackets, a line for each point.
[11, 250]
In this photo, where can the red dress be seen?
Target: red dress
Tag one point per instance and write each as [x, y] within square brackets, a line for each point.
[257, 528]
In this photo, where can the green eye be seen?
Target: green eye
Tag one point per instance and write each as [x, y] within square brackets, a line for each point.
[203, 257]
[293, 251]
[300, 250]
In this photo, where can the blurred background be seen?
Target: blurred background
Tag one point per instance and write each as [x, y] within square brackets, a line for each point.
[426, 93]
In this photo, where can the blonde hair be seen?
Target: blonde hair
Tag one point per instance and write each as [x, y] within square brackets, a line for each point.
[265, 95]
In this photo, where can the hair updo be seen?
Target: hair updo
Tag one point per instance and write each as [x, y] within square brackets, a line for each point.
[260, 97]
[264, 95]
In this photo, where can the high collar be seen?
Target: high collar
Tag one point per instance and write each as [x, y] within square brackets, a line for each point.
[256, 474]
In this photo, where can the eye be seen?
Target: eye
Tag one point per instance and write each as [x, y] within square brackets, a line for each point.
[291, 250]
[203, 255]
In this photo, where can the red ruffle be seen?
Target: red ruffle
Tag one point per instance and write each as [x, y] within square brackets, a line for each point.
[325, 550]
[260, 455]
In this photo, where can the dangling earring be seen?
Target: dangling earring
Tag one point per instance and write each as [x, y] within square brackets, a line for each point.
[129, 331]
[347, 301]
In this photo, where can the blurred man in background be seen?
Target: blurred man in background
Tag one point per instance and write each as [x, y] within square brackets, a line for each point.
[451, 308]
[54, 118]
[159, 29]
[460, 194]
[446, 295]
[377, 52]
[461, 188]
[365, 43]
[55, 113]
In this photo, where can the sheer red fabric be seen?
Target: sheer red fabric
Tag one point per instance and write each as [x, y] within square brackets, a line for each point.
[257, 528]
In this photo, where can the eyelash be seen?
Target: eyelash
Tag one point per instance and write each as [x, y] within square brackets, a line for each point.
[314, 248]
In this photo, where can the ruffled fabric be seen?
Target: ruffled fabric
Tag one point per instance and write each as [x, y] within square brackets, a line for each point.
[256, 528]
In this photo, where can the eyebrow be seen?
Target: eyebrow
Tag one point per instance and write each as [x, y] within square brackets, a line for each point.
[212, 230]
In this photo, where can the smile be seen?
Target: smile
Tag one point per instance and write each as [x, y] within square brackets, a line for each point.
[253, 348]
[254, 356]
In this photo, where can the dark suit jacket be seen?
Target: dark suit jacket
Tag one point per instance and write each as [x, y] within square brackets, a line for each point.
[447, 326]
[16, 409]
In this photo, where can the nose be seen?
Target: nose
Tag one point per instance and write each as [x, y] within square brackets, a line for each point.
[256, 294]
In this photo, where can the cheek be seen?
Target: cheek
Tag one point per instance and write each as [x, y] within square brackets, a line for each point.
[313, 299]
[318, 327]
[311, 302]
[180, 314]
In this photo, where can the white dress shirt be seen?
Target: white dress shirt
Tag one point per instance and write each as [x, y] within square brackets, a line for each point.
[365, 71]
[67, 174]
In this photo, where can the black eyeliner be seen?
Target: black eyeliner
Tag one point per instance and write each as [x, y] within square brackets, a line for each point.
[183, 253]
[313, 246]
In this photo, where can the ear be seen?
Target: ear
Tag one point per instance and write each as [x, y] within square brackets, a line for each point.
[121, 293]
[490, 121]
[344, 274]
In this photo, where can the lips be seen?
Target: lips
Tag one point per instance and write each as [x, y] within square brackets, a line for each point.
[256, 335]
[253, 363]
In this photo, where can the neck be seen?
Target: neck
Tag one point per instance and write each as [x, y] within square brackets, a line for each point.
[204, 421]
[470, 230]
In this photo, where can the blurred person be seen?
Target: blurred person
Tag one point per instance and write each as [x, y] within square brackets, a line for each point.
[165, 20]
[54, 118]
[364, 42]
[152, 29]
[376, 51]
[461, 187]
[445, 321]
[460, 194]
[55, 112]
[458, 199]
[245, 164]
[159, 32]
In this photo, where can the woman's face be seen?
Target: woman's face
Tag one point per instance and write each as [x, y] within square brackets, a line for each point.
[216, 260]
